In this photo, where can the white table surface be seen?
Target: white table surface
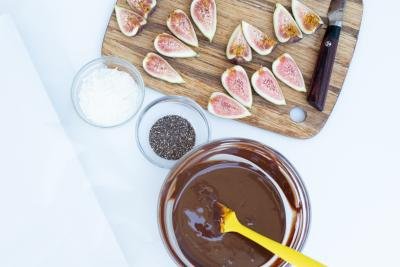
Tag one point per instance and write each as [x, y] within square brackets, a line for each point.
[49, 212]
[350, 168]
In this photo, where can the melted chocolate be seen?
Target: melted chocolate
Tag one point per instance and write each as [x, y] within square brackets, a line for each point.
[238, 173]
[242, 188]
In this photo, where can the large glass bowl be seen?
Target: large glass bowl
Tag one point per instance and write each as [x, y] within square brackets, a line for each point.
[289, 185]
[107, 62]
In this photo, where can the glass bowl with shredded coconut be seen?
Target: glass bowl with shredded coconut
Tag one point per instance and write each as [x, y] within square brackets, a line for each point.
[107, 92]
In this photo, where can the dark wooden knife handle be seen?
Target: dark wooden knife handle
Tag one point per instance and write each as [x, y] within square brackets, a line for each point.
[323, 69]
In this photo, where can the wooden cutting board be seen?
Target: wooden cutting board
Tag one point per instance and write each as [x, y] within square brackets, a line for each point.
[202, 75]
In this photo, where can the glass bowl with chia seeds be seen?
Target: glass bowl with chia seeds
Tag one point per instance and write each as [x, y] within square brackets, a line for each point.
[170, 127]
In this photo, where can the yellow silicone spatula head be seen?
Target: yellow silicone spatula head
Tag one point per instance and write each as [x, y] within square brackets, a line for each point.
[230, 223]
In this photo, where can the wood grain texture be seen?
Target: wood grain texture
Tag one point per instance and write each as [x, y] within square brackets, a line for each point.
[203, 74]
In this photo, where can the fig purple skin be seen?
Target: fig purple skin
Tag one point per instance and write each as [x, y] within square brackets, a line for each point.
[286, 70]
[237, 84]
[128, 21]
[307, 19]
[159, 68]
[238, 50]
[286, 28]
[181, 26]
[224, 106]
[204, 15]
[169, 46]
[142, 7]
[266, 85]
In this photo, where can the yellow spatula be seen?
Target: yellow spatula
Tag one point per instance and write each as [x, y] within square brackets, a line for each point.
[230, 223]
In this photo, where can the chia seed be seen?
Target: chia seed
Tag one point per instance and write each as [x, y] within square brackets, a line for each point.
[171, 137]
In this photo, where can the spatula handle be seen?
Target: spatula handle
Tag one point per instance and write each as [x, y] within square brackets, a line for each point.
[287, 254]
[323, 69]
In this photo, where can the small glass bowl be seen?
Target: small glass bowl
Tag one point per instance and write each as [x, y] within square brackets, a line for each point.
[106, 62]
[170, 105]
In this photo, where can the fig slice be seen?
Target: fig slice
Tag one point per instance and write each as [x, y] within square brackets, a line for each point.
[159, 68]
[181, 26]
[142, 7]
[237, 84]
[238, 50]
[286, 28]
[266, 85]
[128, 21]
[204, 15]
[286, 70]
[307, 19]
[169, 46]
[224, 106]
[259, 41]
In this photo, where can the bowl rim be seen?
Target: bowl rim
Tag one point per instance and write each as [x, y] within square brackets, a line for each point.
[181, 100]
[301, 187]
[106, 59]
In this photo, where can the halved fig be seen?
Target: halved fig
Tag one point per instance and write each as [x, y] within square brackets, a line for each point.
[238, 50]
[224, 106]
[159, 68]
[286, 69]
[128, 21]
[181, 26]
[259, 41]
[237, 84]
[266, 85]
[169, 46]
[286, 28]
[307, 19]
[142, 7]
[204, 15]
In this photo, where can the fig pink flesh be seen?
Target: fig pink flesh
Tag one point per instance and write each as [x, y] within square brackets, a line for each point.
[268, 85]
[142, 7]
[226, 106]
[308, 20]
[158, 67]
[238, 48]
[204, 15]
[180, 25]
[129, 21]
[283, 22]
[168, 45]
[288, 69]
[285, 25]
[258, 40]
[238, 85]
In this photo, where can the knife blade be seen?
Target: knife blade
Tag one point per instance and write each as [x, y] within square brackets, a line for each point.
[335, 12]
[326, 58]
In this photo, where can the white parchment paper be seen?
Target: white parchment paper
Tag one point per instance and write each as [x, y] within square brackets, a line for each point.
[49, 215]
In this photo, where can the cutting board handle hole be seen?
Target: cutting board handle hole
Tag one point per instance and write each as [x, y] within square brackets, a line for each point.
[298, 115]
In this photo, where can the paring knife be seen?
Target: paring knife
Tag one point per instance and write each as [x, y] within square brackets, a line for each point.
[323, 70]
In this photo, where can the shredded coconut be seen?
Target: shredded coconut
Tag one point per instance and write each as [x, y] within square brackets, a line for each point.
[108, 97]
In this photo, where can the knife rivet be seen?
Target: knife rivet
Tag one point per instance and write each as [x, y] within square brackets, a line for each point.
[328, 43]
